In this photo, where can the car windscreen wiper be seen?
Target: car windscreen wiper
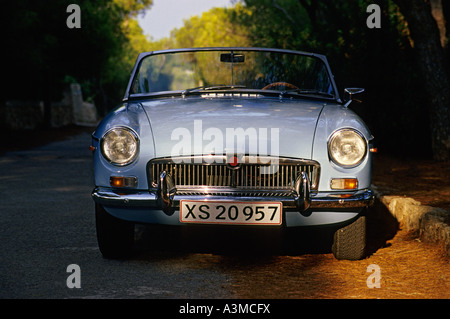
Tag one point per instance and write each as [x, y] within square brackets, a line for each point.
[211, 87]
[307, 92]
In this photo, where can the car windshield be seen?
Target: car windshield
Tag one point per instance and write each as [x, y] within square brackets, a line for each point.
[199, 71]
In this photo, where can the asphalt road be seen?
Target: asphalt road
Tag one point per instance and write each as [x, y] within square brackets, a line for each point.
[47, 223]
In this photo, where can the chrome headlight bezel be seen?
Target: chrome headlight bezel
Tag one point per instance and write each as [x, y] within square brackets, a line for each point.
[358, 146]
[106, 144]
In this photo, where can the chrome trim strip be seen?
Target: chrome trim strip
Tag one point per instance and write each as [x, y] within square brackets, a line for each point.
[233, 191]
[165, 193]
[143, 55]
[142, 198]
[363, 198]
[114, 197]
[220, 161]
[303, 198]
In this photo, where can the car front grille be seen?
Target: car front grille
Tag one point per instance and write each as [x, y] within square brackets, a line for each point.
[253, 176]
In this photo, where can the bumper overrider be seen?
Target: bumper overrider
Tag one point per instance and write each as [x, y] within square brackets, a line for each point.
[166, 198]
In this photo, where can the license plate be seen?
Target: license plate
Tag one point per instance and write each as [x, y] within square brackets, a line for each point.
[237, 213]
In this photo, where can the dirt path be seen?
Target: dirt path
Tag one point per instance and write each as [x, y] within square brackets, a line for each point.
[408, 269]
[424, 180]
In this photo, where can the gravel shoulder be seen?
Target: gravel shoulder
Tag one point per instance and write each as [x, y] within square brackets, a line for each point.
[417, 193]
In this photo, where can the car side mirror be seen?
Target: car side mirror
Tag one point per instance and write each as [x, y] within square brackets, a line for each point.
[350, 92]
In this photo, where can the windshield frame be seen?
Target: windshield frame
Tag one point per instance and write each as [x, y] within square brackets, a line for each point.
[128, 95]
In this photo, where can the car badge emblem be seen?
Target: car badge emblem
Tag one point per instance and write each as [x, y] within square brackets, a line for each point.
[233, 161]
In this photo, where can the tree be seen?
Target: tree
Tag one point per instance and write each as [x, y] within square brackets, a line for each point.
[43, 54]
[212, 28]
[434, 67]
[402, 65]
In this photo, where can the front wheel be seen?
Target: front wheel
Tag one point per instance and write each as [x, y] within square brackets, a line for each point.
[115, 236]
[350, 241]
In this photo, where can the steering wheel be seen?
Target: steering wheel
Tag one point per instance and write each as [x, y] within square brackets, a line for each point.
[286, 84]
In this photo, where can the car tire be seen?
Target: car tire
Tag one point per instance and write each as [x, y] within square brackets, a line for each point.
[115, 236]
[349, 242]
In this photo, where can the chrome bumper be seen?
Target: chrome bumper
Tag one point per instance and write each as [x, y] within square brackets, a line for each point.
[166, 198]
[152, 200]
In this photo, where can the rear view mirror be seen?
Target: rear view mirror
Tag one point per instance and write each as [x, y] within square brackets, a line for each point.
[351, 92]
[232, 58]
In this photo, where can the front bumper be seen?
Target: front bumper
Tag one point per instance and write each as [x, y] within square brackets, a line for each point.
[316, 201]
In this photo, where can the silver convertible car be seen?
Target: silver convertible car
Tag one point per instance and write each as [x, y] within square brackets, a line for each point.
[232, 136]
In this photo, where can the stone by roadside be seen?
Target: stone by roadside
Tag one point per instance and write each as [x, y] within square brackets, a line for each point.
[417, 194]
[72, 110]
[431, 224]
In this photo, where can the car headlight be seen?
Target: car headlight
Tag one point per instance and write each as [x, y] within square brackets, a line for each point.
[347, 147]
[120, 146]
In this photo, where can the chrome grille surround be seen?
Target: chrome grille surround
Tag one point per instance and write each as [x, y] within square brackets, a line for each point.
[253, 176]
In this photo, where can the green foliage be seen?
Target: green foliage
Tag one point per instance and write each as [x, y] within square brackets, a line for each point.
[215, 27]
[380, 60]
[42, 52]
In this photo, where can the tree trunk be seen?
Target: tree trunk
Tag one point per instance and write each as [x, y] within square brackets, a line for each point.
[438, 14]
[432, 64]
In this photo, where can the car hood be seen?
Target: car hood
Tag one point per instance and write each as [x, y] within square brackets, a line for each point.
[264, 126]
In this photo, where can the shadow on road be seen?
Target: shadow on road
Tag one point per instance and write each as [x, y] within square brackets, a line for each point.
[381, 227]
[250, 241]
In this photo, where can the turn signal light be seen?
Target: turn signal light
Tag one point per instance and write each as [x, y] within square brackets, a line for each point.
[121, 181]
[344, 183]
